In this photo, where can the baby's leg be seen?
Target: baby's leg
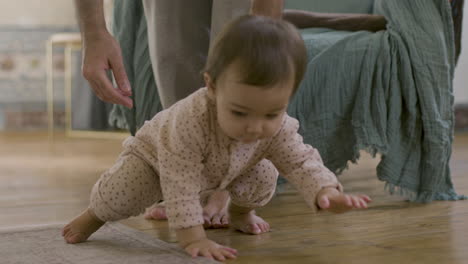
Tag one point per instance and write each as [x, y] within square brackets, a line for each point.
[80, 228]
[125, 190]
[253, 189]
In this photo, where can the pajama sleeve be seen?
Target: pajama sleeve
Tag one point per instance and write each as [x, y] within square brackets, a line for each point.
[178, 145]
[300, 163]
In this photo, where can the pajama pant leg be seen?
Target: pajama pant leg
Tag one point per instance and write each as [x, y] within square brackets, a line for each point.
[179, 33]
[255, 187]
[125, 190]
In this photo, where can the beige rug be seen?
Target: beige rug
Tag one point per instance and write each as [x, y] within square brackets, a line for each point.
[114, 243]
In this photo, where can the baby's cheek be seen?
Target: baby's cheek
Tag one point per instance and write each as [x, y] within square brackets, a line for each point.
[274, 128]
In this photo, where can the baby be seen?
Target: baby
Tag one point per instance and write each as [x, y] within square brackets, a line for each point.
[233, 135]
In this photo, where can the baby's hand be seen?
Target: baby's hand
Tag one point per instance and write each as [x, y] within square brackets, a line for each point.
[210, 249]
[335, 201]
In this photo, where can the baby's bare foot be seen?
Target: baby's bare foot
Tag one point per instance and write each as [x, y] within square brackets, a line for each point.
[249, 223]
[80, 228]
[156, 212]
[215, 211]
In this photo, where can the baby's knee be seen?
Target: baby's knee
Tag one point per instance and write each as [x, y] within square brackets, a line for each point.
[125, 191]
[256, 187]
[253, 196]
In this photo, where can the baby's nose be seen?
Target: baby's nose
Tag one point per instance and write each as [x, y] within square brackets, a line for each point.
[254, 128]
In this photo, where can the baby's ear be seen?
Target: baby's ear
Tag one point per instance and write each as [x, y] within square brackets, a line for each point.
[209, 85]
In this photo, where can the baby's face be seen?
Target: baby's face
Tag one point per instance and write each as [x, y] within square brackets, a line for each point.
[249, 113]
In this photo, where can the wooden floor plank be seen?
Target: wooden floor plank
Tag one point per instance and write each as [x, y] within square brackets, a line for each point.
[43, 182]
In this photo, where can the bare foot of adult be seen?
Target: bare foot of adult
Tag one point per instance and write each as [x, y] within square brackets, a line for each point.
[80, 228]
[215, 212]
[249, 223]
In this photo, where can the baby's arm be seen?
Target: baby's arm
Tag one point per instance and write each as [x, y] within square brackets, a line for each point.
[333, 200]
[302, 165]
[195, 242]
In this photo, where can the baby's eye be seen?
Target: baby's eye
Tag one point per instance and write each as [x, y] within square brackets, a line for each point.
[237, 113]
[272, 116]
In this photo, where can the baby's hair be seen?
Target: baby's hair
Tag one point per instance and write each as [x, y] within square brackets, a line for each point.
[268, 50]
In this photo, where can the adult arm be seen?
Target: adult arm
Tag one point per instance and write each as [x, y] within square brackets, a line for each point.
[349, 22]
[101, 53]
[271, 8]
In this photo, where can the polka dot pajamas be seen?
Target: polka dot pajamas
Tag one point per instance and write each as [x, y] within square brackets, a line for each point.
[181, 155]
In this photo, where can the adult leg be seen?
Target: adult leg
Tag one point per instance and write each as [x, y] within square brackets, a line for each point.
[178, 59]
[225, 11]
[349, 22]
[178, 36]
[457, 15]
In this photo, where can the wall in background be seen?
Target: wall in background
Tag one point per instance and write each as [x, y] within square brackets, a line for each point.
[37, 13]
[25, 26]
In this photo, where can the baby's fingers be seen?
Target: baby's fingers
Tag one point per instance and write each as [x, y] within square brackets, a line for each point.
[356, 202]
[218, 255]
[206, 253]
[229, 254]
[348, 201]
[363, 203]
[366, 198]
[193, 252]
[359, 202]
[231, 250]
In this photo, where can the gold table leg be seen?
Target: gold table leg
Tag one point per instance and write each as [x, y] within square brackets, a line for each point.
[50, 88]
[68, 78]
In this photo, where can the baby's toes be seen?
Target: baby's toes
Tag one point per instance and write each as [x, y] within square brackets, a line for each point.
[73, 238]
[65, 230]
[254, 229]
[265, 227]
[157, 213]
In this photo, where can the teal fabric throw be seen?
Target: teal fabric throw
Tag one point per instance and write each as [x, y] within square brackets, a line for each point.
[130, 30]
[388, 92]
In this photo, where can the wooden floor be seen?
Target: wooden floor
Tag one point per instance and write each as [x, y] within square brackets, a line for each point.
[44, 182]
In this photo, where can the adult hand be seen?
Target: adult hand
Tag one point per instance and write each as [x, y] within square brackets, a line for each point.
[101, 53]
